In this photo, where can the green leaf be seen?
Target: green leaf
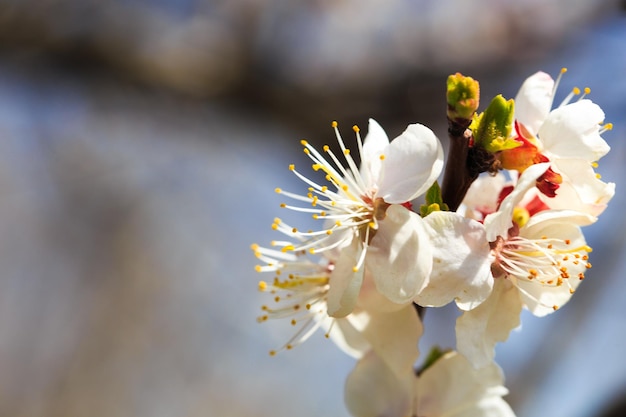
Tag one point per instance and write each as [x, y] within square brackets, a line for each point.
[493, 127]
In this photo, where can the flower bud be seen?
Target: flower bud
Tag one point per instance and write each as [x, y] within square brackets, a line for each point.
[492, 128]
[463, 96]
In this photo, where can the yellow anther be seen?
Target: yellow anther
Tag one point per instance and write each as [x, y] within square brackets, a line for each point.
[312, 251]
[346, 152]
[278, 190]
[372, 225]
[608, 126]
[274, 226]
[258, 268]
[292, 167]
[355, 269]
[254, 247]
[272, 353]
[382, 157]
[520, 216]
[326, 148]
[598, 176]
[587, 90]
[293, 322]
[563, 70]
[329, 232]
[306, 151]
[555, 307]
[263, 287]
[594, 165]
[287, 248]
[334, 124]
[338, 223]
[576, 91]
[283, 205]
[304, 142]
[356, 129]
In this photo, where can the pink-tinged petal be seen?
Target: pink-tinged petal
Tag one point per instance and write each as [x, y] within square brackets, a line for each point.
[400, 257]
[412, 162]
[534, 100]
[373, 390]
[394, 337]
[581, 189]
[345, 283]
[453, 387]
[482, 197]
[373, 146]
[573, 131]
[498, 223]
[461, 262]
[478, 330]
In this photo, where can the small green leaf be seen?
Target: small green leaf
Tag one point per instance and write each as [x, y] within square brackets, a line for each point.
[493, 127]
[433, 356]
[434, 201]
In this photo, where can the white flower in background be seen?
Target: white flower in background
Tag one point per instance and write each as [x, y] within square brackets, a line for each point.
[362, 213]
[299, 295]
[569, 137]
[482, 198]
[537, 262]
[450, 387]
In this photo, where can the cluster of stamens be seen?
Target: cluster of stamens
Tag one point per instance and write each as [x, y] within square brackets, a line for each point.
[547, 261]
[347, 205]
[299, 291]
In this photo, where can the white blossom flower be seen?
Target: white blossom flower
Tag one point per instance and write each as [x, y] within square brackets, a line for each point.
[450, 387]
[299, 295]
[569, 137]
[362, 213]
[537, 262]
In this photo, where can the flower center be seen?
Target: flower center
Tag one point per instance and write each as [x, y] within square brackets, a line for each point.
[547, 261]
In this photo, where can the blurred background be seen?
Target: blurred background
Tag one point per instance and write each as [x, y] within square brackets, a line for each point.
[140, 144]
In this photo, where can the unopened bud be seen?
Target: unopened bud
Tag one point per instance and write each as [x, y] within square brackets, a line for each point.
[492, 128]
[463, 97]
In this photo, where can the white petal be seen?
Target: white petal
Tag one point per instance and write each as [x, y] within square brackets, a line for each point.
[452, 387]
[394, 337]
[573, 131]
[373, 390]
[498, 223]
[581, 189]
[478, 330]
[534, 100]
[373, 146]
[344, 282]
[413, 161]
[483, 194]
[488, 407]
[399, 257]
[346, 334]
[541, 299]
[461, 262]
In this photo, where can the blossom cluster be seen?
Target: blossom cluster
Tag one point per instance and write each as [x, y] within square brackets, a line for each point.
[503, 233]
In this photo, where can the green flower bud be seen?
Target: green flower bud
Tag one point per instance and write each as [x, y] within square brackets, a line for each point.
[492, 128]
[463, 96]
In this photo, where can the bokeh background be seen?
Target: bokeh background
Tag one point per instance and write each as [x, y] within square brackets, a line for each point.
[140, 144]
